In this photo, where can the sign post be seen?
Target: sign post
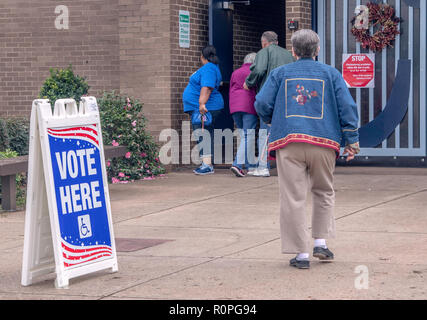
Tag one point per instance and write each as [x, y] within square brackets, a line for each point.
[184, 29]
[68, 225]
[359, 70]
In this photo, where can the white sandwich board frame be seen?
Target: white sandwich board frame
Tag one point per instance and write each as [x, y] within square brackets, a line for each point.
[69, 232]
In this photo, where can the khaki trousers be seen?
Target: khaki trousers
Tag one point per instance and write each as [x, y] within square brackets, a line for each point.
[302, 167]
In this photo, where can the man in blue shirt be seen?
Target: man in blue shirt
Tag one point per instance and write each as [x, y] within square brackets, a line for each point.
[311, 112]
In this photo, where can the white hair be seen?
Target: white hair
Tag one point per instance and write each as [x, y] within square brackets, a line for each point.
[270, 37]
[305, 43]
[250, 58]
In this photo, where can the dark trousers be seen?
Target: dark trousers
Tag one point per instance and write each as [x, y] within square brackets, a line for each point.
[208, 133]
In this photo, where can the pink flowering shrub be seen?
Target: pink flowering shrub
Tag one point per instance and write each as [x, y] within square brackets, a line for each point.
[124, 124]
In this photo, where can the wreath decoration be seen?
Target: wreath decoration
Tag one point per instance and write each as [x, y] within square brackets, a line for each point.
[373, 14]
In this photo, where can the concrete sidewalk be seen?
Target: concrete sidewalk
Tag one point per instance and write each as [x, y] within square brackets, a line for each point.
[223, 241]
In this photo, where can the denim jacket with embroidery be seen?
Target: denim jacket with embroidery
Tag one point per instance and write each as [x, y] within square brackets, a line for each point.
[309, 102]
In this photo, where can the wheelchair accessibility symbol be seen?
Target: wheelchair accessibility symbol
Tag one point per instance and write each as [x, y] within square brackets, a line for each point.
[85, 228]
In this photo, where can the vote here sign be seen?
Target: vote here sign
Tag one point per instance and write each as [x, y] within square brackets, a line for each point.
[79, 189]
[359, 70]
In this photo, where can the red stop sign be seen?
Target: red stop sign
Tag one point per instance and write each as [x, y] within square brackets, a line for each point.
[359, 70]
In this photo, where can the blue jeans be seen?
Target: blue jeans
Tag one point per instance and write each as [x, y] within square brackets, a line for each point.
[206, 148]
[263, 146]
[246, 124]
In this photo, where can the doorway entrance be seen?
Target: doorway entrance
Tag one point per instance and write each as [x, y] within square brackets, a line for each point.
[235, 29]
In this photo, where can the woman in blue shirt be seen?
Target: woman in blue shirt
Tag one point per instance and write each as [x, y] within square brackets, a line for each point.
[202, 95]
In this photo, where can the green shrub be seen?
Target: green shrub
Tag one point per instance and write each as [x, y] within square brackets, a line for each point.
[124, 124]
[63, 84]
[7, 154]
[19, 133]
[14, 135]
[4, 137]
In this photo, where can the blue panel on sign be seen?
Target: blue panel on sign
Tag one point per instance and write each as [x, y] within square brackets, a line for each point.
[81, 205]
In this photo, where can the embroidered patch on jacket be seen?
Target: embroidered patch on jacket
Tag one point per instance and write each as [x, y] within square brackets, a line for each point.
[305, 98]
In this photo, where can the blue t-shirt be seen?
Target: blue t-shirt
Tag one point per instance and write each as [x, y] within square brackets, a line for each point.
[207, 76]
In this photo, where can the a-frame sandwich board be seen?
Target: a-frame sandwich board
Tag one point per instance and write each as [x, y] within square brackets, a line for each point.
[68, 225]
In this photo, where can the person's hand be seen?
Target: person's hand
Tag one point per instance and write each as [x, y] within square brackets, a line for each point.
[245, 86]
[350, 152]
[203, 109]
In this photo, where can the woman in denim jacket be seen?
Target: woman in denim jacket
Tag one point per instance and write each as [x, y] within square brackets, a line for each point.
[311, 112]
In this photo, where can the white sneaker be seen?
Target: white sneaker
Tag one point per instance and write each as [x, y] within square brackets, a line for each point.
[262, 173]
[252, 171]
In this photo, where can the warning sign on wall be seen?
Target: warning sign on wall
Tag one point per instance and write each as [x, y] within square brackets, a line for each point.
[184, 29]
[359, 70]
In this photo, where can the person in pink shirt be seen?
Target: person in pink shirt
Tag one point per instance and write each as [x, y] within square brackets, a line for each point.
[245, 118]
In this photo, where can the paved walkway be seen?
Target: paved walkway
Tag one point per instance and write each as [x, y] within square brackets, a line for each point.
[224, 242]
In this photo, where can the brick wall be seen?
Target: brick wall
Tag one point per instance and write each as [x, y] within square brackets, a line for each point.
[145, 70]
[185, 61]
[131, 45]
[299, 10]
[30, 44]
[116, 44]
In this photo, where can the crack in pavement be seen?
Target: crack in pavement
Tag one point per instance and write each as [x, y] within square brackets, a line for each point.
[195, 201]
[382, 203]
[183, 269]
[251, 247]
